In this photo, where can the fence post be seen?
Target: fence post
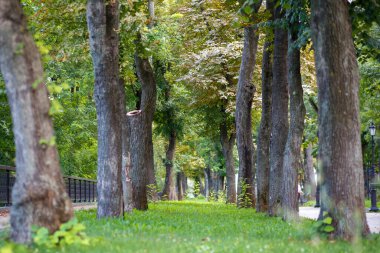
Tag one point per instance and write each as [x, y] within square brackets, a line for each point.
[69, 191]
[8, 188]
[75, 190]
[80, 190]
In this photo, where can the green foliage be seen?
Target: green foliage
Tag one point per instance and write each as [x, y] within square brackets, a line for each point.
[152, 192]
[324, 226]
[69, 233]
[244, 198]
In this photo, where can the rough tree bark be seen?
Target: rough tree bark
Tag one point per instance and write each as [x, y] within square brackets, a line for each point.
[126, 156]
[138, 169]
[179, 186]
[148, 105]
[103, 23]
[263, 140]
[279, 115]
[39, 196]
[339, 123]
[244, 97]
[169, 187]
[309, 181]
[228, 142]
[292, 156]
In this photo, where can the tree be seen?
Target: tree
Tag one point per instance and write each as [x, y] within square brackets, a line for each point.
[263, 139]
[39, 185]
[103, 24]
[309, 175]
[339, 123]
[279, 119]
[292, 155]
[243, 116]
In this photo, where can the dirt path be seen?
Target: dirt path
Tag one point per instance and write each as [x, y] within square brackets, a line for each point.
[373, 219]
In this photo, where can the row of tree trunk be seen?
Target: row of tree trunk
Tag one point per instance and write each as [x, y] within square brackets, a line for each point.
[279, 149]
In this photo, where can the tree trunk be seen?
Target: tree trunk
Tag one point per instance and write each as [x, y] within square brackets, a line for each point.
[103, 23]
[263, 140]
[279, 115]
[126, 160]
[215, 184]
[244, 97]
[146, 77]
[169, 187]
[228, 143]
[39, 196]
[339, 122]
[179, 185]
[208, 182]
[292, 157]
[309, 185]
[138, 168]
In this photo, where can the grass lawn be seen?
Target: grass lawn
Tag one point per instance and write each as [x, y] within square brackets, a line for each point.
[203, 227]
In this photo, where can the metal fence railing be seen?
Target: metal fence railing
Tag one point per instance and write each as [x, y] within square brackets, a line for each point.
[79, 189]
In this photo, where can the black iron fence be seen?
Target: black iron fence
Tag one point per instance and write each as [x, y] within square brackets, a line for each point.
[79, 189]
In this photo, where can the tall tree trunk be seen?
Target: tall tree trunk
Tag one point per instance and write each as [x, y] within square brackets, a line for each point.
[244, 97]
[215, 184]
[146, 77]
[169, 187]
[126, 156]
[292, 156]
[138, 169]
[103, 23]
[39, 196]
[208, 182]
[179, 185]
[263, 140]
[309, 185]
[279, 115]
[228, 143]
[339, 122]
[243, 116]
[148, 105]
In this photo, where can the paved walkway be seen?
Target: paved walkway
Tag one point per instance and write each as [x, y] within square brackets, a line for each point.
[4, 213]
[373, 219]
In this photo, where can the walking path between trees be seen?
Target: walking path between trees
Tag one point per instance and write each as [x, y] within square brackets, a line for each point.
[306, 212]
[4, 212]
[373, 219]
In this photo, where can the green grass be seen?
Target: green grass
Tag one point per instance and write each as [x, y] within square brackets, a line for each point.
[204, 227]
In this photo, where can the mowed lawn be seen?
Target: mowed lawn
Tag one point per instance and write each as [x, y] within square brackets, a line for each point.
[193, 226]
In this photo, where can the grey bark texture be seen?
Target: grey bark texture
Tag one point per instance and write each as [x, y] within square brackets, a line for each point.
[179, 185]
[148, 106]
[243, 116]
[138, 169]
[280, 122]
[228, 142]
[309, 175]
[169, 192]
[342, 189]
[39, 196]
[263, 139]
[292, 156]
[103, 23]
[126, 158]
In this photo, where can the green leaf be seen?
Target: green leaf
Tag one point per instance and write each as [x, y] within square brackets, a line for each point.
[327, 220]
[247, 9]
[328, 229]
